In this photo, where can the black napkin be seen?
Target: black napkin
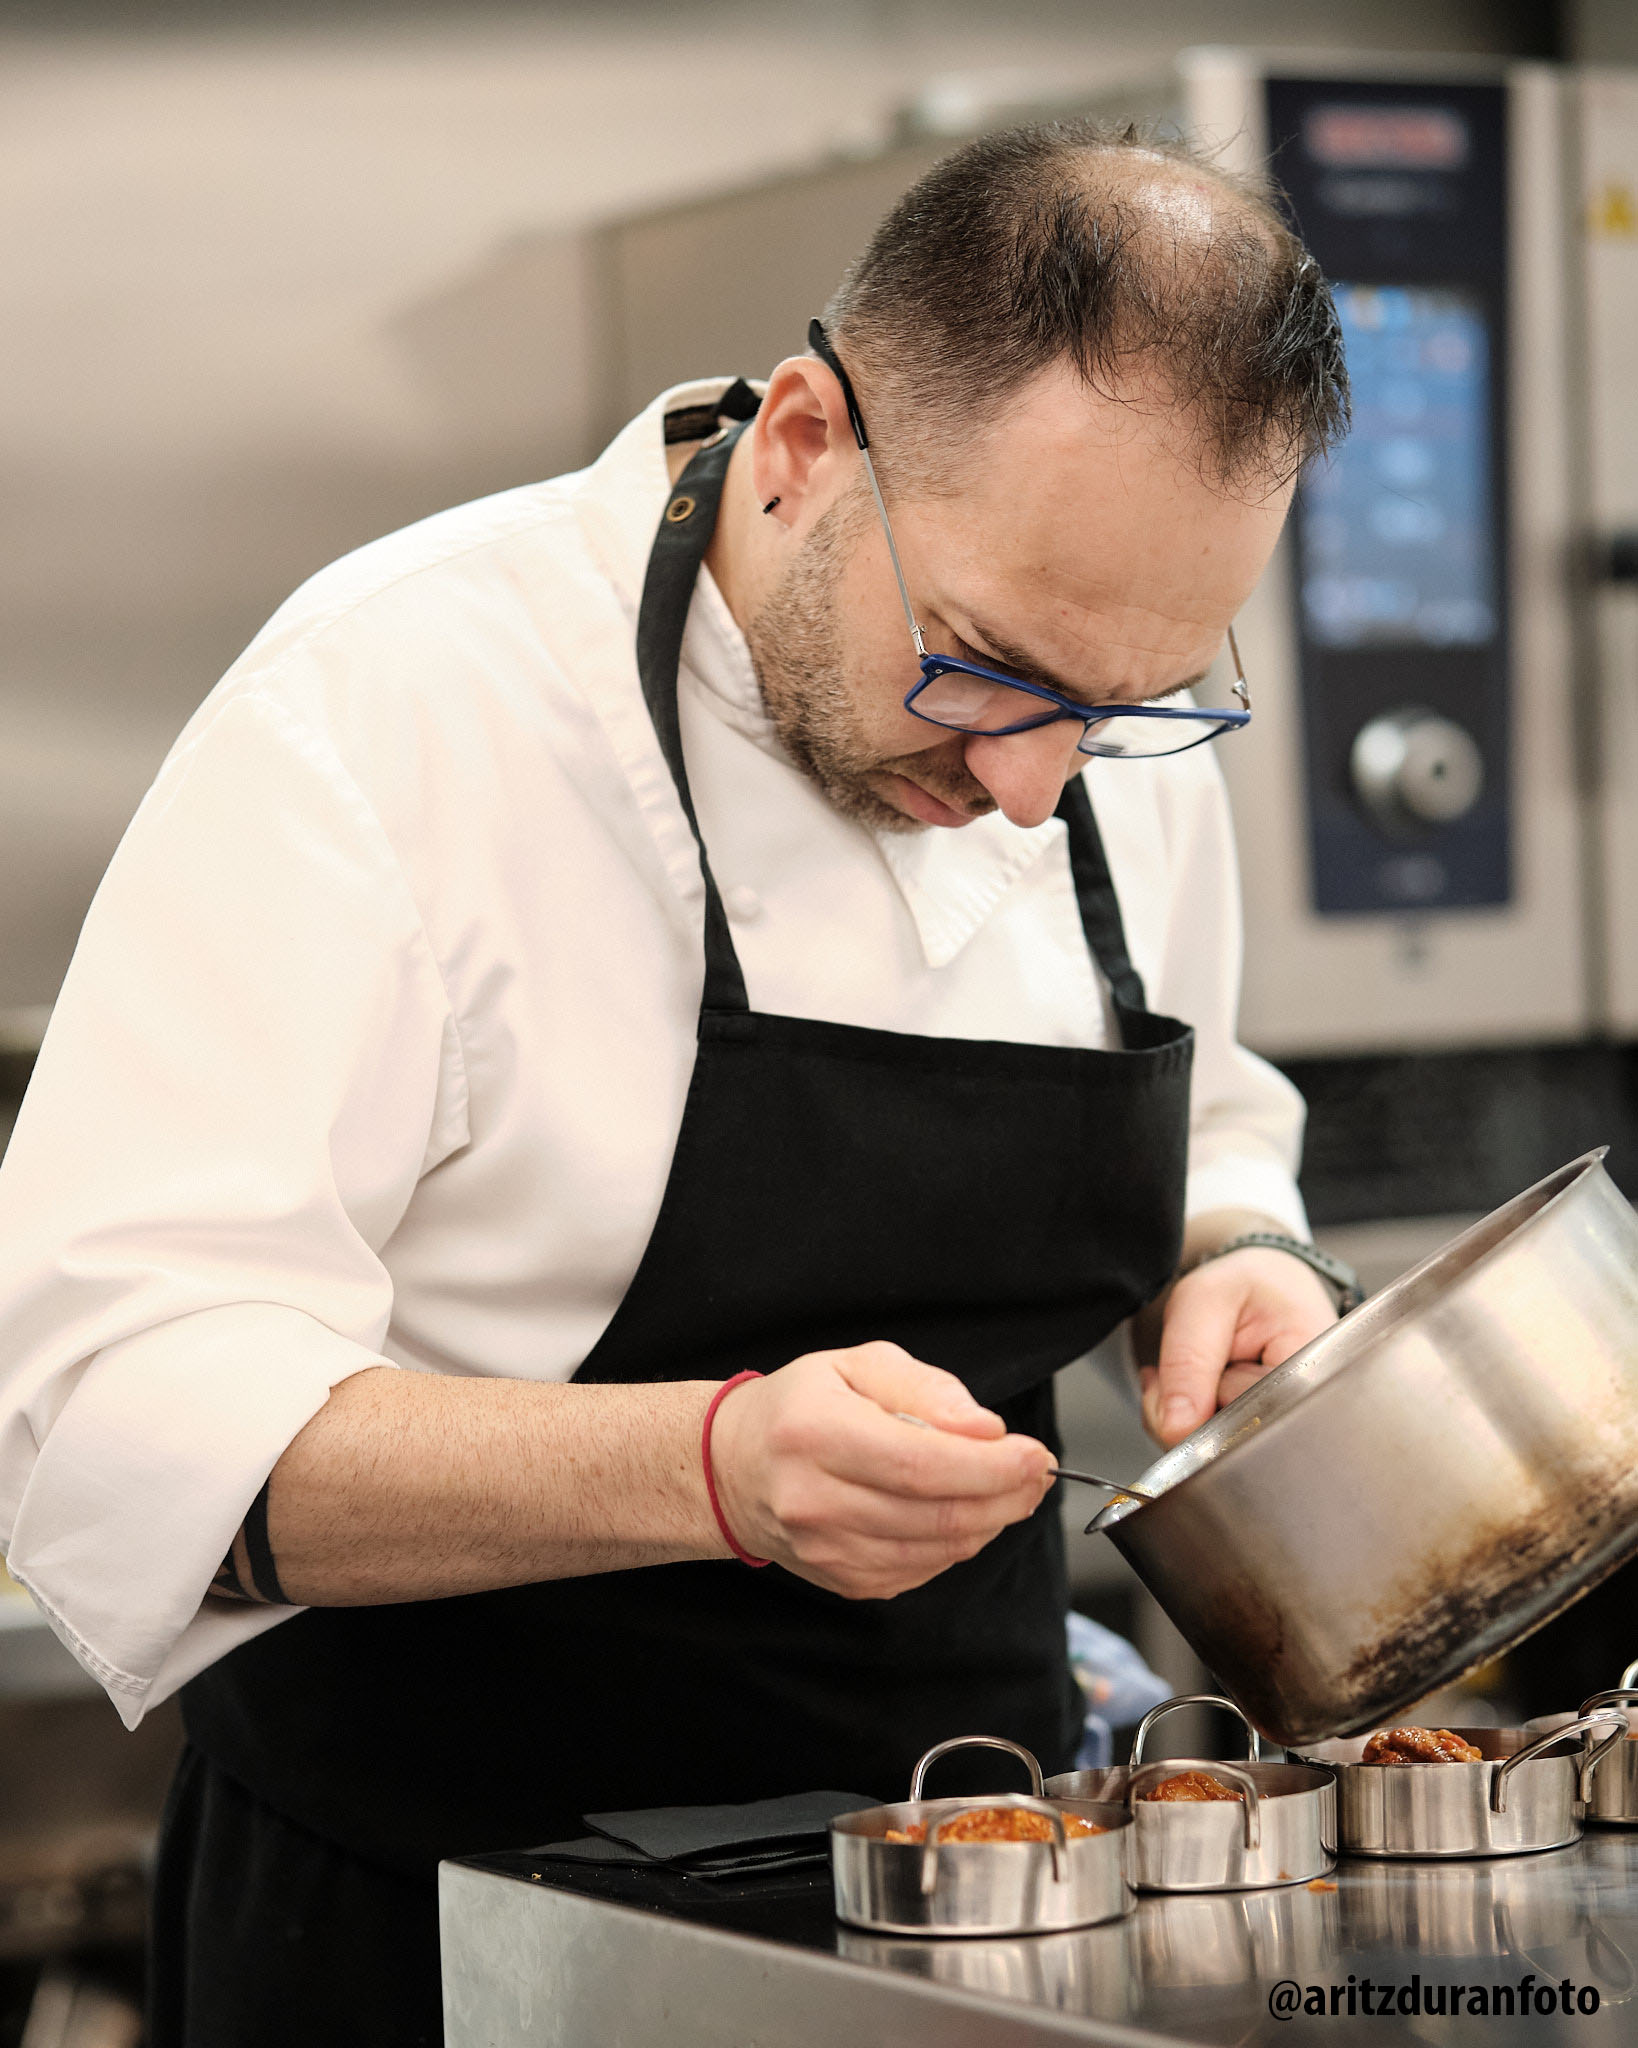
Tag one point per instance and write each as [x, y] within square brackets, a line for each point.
[712, 1841]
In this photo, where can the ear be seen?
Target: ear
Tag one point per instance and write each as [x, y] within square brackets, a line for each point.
[802, 447]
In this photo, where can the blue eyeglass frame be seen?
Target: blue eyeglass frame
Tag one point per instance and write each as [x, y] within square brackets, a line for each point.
[933, 666]
[1217, 721]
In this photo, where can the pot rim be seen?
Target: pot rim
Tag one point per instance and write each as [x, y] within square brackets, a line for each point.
[870, 1823]
[1318, 1775]
[1387, 1309]
[1521, 1736]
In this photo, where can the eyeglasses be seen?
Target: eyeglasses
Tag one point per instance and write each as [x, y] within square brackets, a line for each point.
[965, 696]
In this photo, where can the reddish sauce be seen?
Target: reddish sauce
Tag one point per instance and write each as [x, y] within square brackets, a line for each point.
[1190, 1785]
[997, 1824]
[1419, 1746]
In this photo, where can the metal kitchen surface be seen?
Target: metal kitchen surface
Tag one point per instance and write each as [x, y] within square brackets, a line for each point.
[555, 1955]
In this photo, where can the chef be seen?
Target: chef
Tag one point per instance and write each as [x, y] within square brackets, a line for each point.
[626, 992]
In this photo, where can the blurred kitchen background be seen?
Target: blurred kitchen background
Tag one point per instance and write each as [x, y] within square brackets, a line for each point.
[275, 279]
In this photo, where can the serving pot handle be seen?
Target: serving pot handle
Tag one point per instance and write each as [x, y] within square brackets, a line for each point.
[1016, 1803]
[1244, 1779]
[1619, 1695]
[1254, 1753]
[1630, 1675]
[1596, 1754]
[1617, 1723]
[919, 1774]
[1622, 1695]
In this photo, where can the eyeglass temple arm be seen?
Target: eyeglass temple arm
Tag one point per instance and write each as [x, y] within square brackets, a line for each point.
[819, 342]
[1240, 687]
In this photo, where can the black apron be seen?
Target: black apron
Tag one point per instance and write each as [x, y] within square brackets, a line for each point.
[996, 1208]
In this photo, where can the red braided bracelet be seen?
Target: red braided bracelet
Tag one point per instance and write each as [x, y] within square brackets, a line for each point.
[717, 1398]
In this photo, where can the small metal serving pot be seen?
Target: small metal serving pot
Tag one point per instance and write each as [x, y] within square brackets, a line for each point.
[1525, 1794]
[1614, 1785]
[1282, 1831]
[981, 1888]
[1423, 1484]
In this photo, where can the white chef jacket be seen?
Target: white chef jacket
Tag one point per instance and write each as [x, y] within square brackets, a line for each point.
[374, 1047]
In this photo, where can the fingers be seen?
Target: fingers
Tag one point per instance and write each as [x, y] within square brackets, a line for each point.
[816, 1469]
[1300, 1324]
[896, 1382]
[1226, 1324]
[1196, 1342]
[1238, 1379]
[858, 1433]
[867, 1545]
[816, 1500]
[873, 1449]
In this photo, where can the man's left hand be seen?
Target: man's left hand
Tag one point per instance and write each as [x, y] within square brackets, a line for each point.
[1224, 1325]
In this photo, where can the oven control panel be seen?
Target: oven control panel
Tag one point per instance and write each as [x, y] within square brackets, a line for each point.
[1400, 591]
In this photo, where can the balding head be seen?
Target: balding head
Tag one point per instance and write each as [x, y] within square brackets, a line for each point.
[1152, 274]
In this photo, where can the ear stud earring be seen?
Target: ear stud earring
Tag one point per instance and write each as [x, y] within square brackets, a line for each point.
[772, 502]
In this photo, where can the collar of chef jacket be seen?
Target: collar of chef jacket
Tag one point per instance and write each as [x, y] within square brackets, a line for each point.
[950, 882]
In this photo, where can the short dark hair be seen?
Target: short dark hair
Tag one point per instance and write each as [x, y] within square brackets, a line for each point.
[1079, 243]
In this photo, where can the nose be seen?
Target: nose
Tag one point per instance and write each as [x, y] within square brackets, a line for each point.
[1026, 771]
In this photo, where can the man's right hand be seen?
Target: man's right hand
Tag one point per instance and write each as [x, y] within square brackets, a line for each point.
[815, 1470]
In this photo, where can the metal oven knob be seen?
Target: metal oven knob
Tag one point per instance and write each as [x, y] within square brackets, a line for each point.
[1412, 769]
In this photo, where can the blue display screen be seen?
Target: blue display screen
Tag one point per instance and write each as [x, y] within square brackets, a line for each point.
[1397, 529]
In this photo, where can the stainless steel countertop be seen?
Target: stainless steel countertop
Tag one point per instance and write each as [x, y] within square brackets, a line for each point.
[578, 1958]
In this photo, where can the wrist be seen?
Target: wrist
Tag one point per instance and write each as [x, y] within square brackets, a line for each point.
[1204, 1235]
[1209, 1230]
[718, 1462]
[1340, 1280]
[676, 1467]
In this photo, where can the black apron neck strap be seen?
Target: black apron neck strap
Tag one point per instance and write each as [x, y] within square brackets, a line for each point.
[684, 534]
[1095, 892]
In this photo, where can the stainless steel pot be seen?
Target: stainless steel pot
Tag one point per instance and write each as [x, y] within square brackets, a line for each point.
[1614, 1784]
[1284, 1830]
[1527, 1793]
[988, 1888]
[1425, 1483]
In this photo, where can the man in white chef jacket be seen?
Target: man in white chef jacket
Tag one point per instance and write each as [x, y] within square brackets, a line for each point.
[362, 1099]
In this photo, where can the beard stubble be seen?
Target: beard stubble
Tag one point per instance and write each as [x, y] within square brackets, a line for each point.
[795, 642]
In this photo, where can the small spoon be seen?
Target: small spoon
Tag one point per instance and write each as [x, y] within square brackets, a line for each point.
[1057, 1471]
[1092, 1479]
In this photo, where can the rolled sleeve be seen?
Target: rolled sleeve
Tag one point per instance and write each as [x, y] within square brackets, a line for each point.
[164, 1440]
[251, 1064]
